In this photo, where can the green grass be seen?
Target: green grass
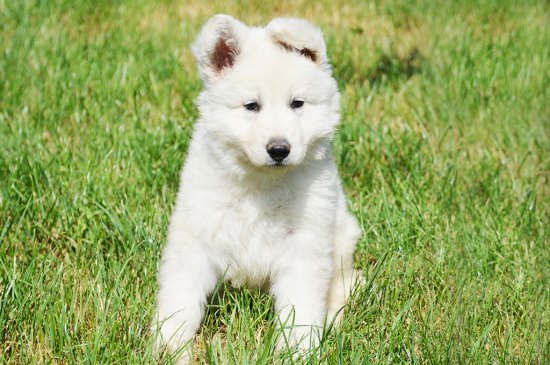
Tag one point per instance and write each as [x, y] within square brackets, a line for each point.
[443, 150]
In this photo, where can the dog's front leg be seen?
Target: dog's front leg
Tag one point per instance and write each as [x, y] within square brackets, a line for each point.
[300, 289]
[186, 280]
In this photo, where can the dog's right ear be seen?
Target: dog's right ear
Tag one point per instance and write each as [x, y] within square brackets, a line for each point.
[218, 45]
[299, 36]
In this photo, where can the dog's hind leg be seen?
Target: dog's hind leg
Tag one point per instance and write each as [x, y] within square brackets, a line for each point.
[344, 277]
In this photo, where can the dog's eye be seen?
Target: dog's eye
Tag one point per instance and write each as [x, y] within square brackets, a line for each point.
[252, 106]
[296, 103]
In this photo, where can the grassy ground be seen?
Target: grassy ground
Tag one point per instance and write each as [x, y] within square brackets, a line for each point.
[443, 149]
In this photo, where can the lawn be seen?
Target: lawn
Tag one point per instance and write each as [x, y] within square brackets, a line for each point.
[443, 150]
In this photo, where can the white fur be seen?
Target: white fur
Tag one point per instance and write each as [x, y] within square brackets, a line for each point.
[285, 228]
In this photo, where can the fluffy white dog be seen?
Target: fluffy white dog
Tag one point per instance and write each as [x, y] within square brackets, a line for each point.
[260, 201]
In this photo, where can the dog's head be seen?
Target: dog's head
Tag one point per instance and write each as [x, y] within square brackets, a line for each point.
[269, 98]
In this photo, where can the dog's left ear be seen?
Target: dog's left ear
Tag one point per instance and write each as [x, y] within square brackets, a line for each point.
[218, 45]
[300, 36]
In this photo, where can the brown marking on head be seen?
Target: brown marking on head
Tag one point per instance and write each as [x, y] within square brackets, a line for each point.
[306, 52]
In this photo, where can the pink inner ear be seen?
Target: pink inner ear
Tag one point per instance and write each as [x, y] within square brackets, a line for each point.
[223, 55]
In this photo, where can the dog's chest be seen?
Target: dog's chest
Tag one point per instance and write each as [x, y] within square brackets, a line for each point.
[253, 232]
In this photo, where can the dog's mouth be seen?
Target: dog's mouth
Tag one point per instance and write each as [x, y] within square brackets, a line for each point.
[277, 164]
[266, 163]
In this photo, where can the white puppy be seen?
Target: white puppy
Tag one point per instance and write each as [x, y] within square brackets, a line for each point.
[260, 201]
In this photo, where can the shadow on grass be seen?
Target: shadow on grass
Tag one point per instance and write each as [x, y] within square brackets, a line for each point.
[393, 67]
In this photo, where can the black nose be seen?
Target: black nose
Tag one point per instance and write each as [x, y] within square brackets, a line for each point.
[278, 149]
